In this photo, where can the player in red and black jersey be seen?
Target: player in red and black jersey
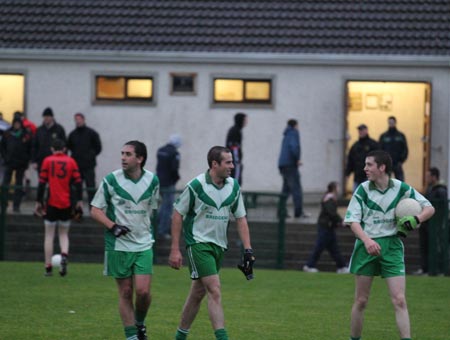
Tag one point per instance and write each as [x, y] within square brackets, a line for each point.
[59, 171]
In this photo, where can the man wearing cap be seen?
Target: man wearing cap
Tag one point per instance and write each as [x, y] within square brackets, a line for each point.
[167, 172]
[357, 156]
[45, 135]
[85, 145]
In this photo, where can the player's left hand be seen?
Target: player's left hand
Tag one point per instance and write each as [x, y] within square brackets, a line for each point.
[406, 224]
[247, 264]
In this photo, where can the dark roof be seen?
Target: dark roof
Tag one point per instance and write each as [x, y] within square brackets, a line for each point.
[386, 27]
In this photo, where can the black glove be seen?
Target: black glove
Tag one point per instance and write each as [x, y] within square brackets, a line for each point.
[247, 264]
[119, 230]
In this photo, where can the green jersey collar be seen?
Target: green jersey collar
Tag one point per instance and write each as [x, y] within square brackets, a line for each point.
[134, 180]
[372, 186]
[209, 180]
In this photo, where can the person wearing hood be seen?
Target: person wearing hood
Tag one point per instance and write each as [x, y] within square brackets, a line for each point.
[436, 193]
[234, 143]
[395, 144]
[357, 156]
[45, 135]
[85, 145]
[16, 152]
[288, 164]
[167, 171]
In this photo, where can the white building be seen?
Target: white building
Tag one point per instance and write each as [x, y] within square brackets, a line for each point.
[146, 69]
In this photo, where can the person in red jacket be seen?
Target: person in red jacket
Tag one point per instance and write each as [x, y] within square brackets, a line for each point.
[59, 171]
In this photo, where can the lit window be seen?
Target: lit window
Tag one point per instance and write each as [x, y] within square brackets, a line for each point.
[242, 91]
[124, 88]
[139, 88]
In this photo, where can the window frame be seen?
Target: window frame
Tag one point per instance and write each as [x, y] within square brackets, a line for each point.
[245, 102]
[126, 100]
[172, 92]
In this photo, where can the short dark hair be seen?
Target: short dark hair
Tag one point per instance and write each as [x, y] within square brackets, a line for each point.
[215, 154]
[292, 122]
[58, 144]
[393, 118]
[332, 186]
[139, 149]
[435, 172]
[382, 158]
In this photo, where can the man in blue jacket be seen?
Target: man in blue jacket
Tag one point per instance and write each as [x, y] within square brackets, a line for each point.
[288, 163]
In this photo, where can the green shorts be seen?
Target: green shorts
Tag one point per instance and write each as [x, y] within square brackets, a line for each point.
[205, 259]
[123, 264]
[389, 263]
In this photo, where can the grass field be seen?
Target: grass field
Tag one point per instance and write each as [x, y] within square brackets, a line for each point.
[277, 305]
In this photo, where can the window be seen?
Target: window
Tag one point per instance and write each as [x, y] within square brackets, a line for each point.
[183, 84]
[124, 88]
[242, 91]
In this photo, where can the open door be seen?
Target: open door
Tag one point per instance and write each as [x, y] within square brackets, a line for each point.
[371, 103]
[12, 95]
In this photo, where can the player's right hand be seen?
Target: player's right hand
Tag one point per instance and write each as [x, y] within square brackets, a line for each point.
[119, 230]
[372, 247]
[175, 259]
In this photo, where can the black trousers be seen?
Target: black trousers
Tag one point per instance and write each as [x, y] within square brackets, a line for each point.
[88, 176]
[18, 191]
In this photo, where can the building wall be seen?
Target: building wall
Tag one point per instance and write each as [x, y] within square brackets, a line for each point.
[315, 95]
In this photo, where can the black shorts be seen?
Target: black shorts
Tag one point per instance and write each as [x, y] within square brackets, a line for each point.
[55, 214]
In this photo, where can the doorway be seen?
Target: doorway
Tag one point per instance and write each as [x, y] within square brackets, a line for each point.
[372, 102]
[12, 95]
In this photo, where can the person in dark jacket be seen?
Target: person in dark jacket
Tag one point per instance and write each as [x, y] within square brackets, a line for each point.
[395, 144]
[436, 193]
[288, 164]
[16, 151]
[234, 143]
[357, 156]
[85, 145]
[167, 170]
[45, 135]
[328, 221]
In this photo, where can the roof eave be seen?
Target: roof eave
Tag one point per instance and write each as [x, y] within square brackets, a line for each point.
[226, 58]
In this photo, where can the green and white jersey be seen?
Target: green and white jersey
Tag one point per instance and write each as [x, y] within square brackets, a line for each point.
[206, 209]
[375, 209]
[130, 203]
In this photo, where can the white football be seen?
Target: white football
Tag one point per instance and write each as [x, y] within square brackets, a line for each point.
[407, 207]
[56, 260]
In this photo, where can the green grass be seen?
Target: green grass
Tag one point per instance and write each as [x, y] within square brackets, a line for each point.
[277, 305]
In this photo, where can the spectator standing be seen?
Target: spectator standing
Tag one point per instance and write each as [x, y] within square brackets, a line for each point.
[202, 211]
[4, 125]
[27, 124]
[85, 145]
[16, 152]
[394, 142]
[436, 193]
[378, 249]
[167, 171]
[329, 219]
[45, 135]
[59, 171]
[31, 127]
[357, 156]
[234, 143]
[289, 163]
[124, 204]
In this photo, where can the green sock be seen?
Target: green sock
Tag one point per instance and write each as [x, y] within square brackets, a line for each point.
[357, 338]
[406, 338]
[181, 334]
[139, 317]
[130, 332]
[221, 334]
